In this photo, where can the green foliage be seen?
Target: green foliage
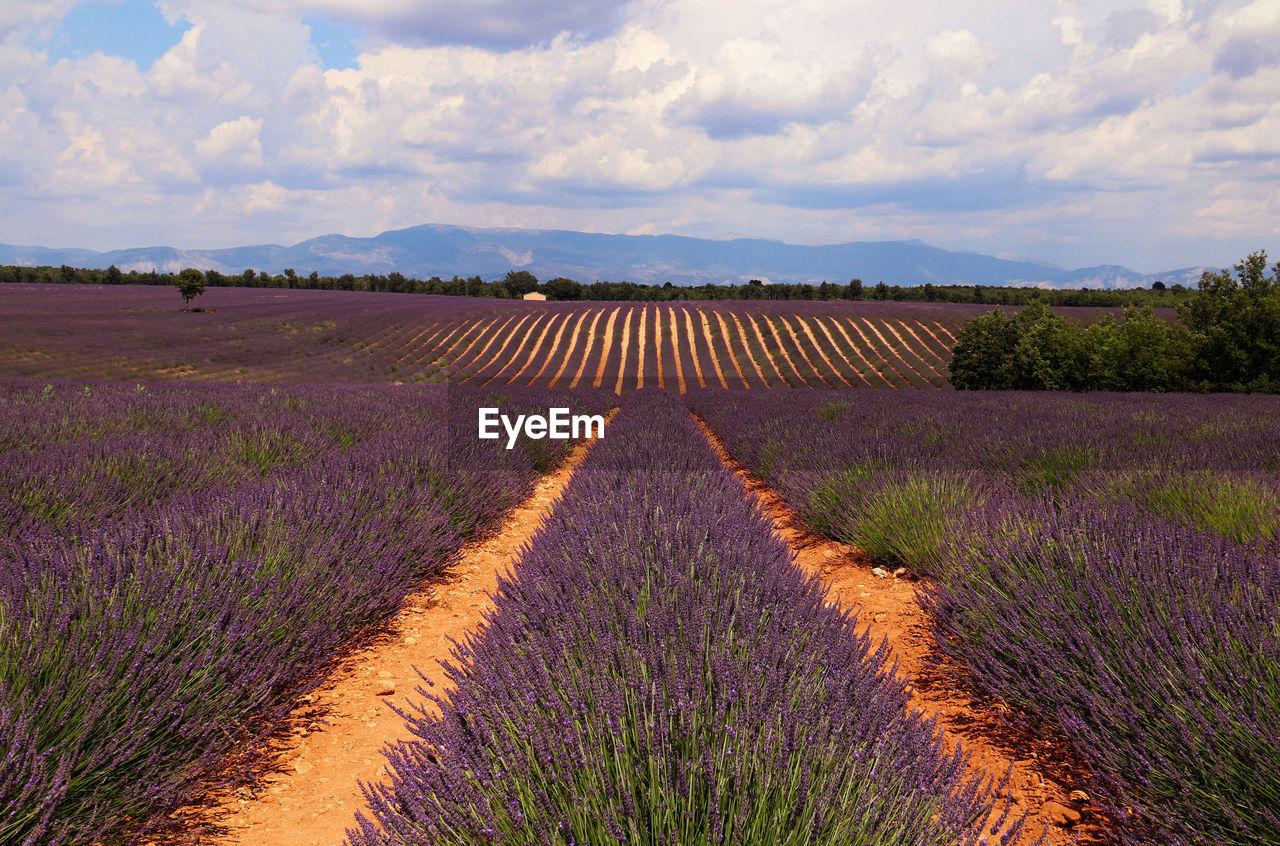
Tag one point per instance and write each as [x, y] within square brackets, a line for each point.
[191, 283]
[1235, 328]
[1230, 341]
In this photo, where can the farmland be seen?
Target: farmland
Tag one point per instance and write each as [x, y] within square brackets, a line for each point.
[268, 335]
[204, 513]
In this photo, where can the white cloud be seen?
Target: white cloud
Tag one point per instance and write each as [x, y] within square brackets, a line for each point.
[1021, 125]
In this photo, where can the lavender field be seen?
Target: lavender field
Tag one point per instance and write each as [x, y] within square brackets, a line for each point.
[661, 672]
[1106, 564]
[201, 511]
[178, 563]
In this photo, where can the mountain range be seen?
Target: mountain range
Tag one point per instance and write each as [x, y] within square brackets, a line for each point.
[446, 251]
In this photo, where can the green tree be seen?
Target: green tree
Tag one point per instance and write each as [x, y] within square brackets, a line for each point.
[561, 288]
[1049, 354]
[521, 282]
[983, 353]
[1235, 328]
[191, 283]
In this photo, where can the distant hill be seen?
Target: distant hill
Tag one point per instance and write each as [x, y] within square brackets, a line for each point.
[446, 251]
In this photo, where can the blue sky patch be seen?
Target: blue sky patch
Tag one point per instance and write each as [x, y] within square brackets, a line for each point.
[133, 29]
[334, 44]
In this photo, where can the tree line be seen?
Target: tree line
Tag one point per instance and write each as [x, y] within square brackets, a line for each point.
[517, 283]
[1228, 340]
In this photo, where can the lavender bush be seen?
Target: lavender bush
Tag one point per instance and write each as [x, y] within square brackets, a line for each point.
[176, 564]
[659, 671]
[1154, 646]
[1108, 565]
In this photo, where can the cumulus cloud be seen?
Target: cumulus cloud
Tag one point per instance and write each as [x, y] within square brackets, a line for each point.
[1034, 127]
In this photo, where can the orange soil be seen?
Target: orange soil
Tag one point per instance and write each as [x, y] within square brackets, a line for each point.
[586, 353]
[711, 348]
[831, 339]
[533, 355]
[568, 354]
[903, 349]
[782, 350]
[657, 343]
[606, 346]
[674, 323]
[742, 334]
[311, 796]
[515, 353]
[765, 349]
[693, 348]
[474, 366]
[813, 339]
[795, 339]
[728, 343]
[622, 351]
[555, 345]
[1045, 773]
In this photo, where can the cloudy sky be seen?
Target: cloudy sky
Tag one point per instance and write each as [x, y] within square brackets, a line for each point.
[1079, 133]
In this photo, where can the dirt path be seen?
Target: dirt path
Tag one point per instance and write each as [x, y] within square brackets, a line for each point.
[1044, 778]
[338, 738]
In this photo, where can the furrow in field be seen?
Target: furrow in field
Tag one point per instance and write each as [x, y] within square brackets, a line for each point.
[516, 351]
[606, 345]
[746, 345]
[644, 314]
[951, 338]
[416, 352]
[568, 353]
[944, 346]
[440, 360]
[480, 364]
[892, 355]
[425, 351]
[408, 344]
[890, 610]
[728, 343]
[882, 355]
[316, 789]
[533, 354]
[474, 329]
[925, 347]
[675, 346]
[657, 342]
[782, 349]
[711, 350]
[928, 341]
[839, 353]
[567, 318]
[693, 347]
[857, 350]
[926, 370]
[586, 352]
[795, 339]
[813, 340]
[764, 348]
[622, 353]
[472, 366]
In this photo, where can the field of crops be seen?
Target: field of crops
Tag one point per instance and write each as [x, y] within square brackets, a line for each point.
[178, 562]
[137, 332]
[1106, 564]
[201, 512]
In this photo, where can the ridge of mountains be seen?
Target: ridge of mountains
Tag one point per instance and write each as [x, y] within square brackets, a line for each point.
[445, 251]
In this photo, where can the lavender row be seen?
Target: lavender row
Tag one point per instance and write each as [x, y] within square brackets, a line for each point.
[177, 564]
[659, 671]
[1155, 648]
[1105, 562]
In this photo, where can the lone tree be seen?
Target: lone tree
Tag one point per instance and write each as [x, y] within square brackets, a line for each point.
[191, 284]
